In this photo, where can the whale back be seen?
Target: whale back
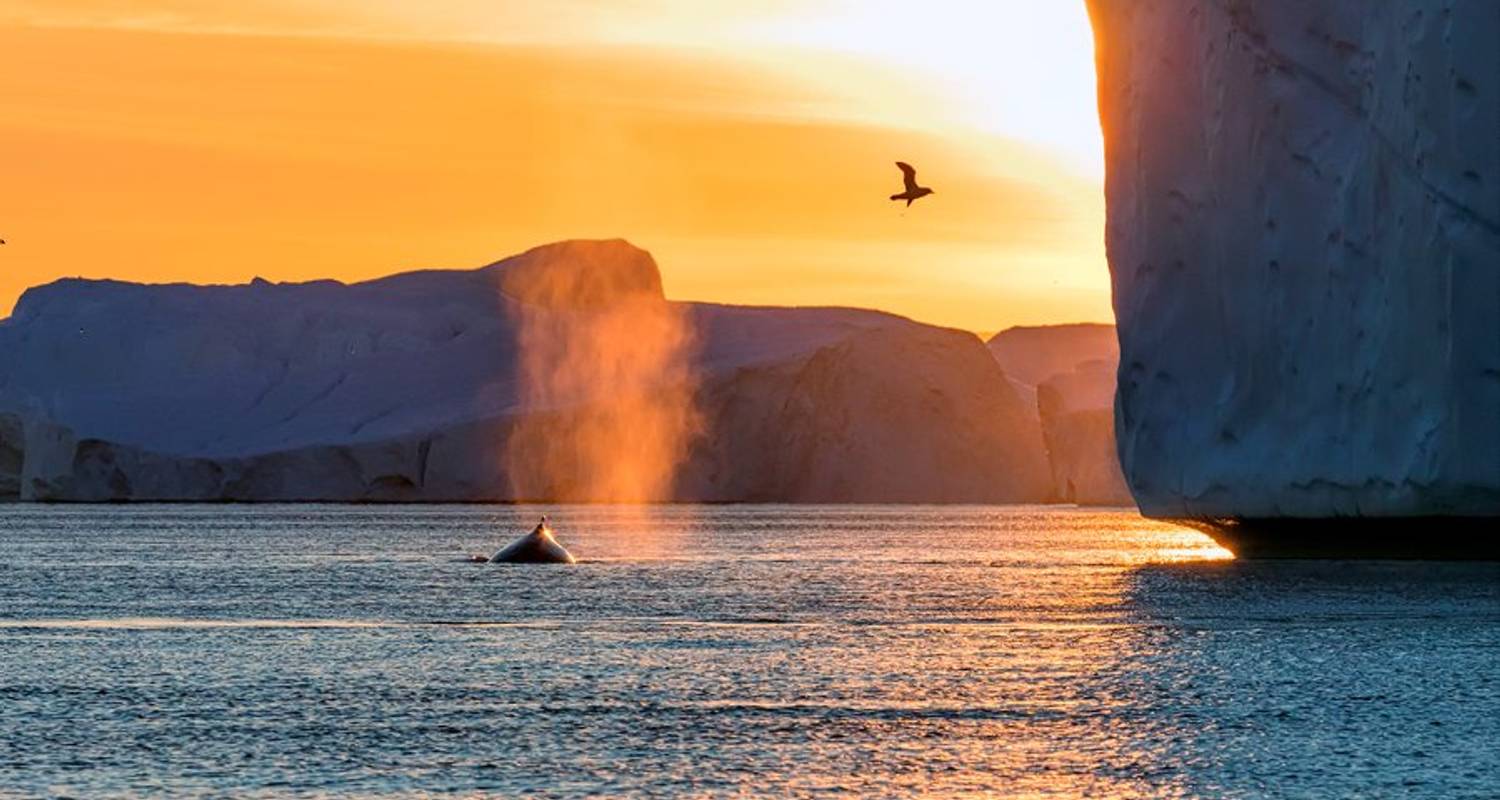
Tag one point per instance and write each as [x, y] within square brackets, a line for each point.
[537, 547]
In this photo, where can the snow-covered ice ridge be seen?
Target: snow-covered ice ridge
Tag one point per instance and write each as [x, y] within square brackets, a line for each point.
[1304, 238]
[406, 387]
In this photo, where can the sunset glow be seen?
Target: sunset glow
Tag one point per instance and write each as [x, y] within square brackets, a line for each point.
[751, 151]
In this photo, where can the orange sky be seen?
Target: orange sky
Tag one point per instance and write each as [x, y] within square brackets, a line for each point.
[750, 151]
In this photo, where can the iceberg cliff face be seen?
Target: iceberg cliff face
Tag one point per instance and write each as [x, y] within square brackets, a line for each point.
[1067, 372]
[407, 388]
[1078, 429]
[12, 455]
[889, 413]
[1304, 238]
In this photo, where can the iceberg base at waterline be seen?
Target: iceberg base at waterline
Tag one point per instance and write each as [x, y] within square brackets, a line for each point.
[1403, 538]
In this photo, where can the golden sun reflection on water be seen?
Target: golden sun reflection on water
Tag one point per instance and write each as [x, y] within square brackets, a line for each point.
[719, 650]
[949, 651]
[1017, 671]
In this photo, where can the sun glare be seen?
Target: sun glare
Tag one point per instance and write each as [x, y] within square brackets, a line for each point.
[1018, 68]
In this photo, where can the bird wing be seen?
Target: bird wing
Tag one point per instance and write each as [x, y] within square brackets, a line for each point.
[909, 173]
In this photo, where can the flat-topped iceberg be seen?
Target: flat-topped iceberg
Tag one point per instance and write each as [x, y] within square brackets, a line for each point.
[412, 388]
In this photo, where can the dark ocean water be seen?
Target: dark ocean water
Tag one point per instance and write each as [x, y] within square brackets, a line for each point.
[336, 651]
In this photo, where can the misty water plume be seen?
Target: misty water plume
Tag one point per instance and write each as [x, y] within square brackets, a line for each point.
[606, 377]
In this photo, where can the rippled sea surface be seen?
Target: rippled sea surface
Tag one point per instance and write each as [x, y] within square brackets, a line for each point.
[331, 651]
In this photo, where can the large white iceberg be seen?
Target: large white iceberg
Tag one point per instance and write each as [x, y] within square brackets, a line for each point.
[1304, 238]
[407, 388]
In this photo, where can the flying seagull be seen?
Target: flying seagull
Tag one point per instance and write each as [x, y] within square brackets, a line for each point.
[913, 191]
